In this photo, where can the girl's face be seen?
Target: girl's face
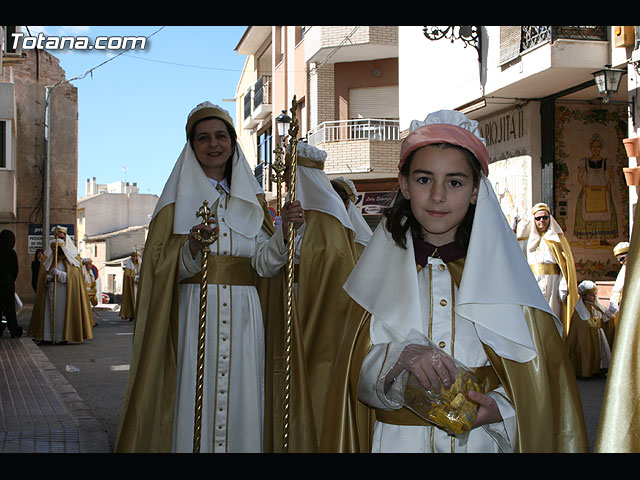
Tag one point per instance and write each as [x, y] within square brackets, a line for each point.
[212, 146]
[440, 189]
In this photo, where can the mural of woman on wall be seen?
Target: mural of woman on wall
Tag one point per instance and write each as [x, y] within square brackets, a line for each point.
[595, 217]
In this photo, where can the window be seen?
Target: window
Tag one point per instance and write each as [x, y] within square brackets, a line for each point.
[5, 144]
[265, 150]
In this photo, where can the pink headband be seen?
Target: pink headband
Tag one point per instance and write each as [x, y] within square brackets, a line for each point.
[445, 133]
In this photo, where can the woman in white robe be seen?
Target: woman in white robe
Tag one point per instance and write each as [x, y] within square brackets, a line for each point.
[233, 396]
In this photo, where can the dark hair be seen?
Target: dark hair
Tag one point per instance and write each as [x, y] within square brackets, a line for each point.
[341, 191]
[234, 140]
[7, 240]
[399, 218]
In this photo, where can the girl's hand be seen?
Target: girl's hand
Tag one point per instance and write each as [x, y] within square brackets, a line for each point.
[292, 212]
[430, 365]
[488, 411]
[205, 230]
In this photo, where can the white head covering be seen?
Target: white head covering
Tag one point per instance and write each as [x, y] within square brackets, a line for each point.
[587, 286]
[313, 187]
[531, 231]
[362, 228]
[495, 283]
[188, 187]
[67, 246]
[622, 247]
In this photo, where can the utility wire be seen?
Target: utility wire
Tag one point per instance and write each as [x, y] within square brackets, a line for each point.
[90, 71]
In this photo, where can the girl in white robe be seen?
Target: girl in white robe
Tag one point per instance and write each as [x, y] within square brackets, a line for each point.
[461, 316]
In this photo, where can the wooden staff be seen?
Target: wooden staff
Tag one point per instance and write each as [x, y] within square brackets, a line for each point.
[293, 133]
[207, 214]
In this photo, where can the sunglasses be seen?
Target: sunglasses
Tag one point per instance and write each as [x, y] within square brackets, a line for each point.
[544, 217]
[622, 258]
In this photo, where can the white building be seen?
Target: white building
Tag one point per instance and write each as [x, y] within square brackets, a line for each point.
[113, 221]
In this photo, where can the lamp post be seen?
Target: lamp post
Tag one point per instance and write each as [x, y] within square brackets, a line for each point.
[282, 122]
[608, 81]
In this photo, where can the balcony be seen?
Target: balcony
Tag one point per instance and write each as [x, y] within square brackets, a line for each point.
[333, 44]
[360, 146]
[257, 103]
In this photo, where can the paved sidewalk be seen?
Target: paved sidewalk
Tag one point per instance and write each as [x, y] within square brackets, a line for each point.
[40, 412]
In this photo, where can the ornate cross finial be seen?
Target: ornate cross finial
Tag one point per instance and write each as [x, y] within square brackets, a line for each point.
[206, 214]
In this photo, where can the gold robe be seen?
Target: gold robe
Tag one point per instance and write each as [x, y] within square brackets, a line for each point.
[146, 424]
[543, 391]
[327, 257]
[619, 429]
[562, 253]
[78, 320]
[128, 303]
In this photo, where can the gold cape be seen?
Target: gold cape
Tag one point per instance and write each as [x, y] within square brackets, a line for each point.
[327, 257]
[128, 303]
[562, 253]
[543, 391]
[78, 319]
[146, 423]
[619, 429]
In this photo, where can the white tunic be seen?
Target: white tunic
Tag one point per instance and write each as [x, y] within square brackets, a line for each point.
[457, 337]
[553, 287]
[233, 399]
[60, 305]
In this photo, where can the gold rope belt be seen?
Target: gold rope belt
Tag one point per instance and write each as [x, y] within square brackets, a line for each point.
[226, 270]
[545, 269]
[404, 416]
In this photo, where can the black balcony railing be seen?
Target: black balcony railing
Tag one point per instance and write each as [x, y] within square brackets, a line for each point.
[532, 36]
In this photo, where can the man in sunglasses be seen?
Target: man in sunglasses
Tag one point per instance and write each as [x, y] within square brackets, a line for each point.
[551, 261]
[620, 251]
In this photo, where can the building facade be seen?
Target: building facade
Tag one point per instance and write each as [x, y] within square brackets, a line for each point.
[552, 136]
[345, 81]
[37, 157]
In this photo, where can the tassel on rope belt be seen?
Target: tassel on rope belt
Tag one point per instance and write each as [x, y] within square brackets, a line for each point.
[226, 270]
[545, 269]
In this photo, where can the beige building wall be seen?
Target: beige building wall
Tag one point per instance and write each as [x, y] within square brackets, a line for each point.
[29, 79]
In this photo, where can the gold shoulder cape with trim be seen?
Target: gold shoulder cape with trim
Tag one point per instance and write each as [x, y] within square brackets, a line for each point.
[78, 319]
[543, 391]
[562, 253]
[146, 423]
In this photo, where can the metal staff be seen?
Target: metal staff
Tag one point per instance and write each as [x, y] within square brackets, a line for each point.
[55, 287]
[278, 170]
[207, 214]
[293, 133]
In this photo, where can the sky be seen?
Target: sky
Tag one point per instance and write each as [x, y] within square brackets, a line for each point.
[132, 110]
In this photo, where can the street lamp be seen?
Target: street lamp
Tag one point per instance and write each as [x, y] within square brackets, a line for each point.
[608, 81]
[283, 120]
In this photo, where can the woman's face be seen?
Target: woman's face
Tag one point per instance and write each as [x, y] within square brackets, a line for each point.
[40, 254]
[440, 189]
[212, 146]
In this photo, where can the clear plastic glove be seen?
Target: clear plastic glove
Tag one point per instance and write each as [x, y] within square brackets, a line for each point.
[55, 271]
[430, 365]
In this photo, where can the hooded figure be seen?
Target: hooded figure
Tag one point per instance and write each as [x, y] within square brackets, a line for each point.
[62, 310]
[620, 251]
[587, 343]
[243, 354]
[349, 195]
[130, 279]
[326, 253]
[549, 255]
[478, 304]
